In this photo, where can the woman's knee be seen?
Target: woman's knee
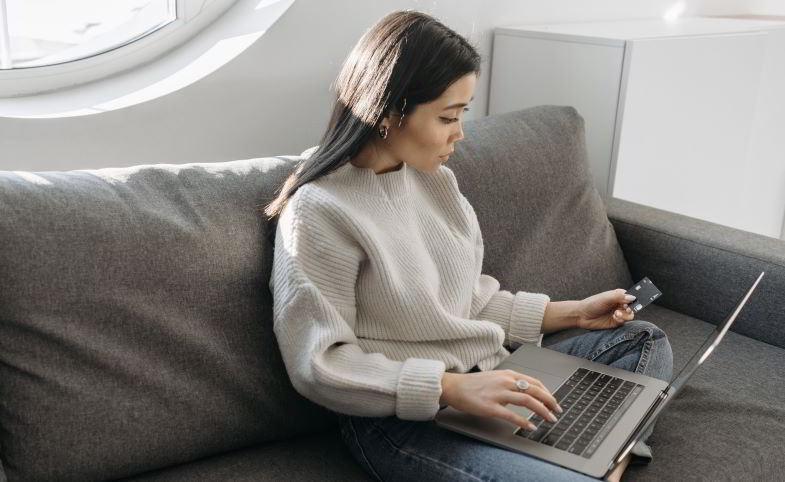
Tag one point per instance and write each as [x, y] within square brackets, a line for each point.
[655, 332]
[659, 359]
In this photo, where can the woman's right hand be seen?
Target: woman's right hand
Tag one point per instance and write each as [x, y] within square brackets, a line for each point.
[487, 393]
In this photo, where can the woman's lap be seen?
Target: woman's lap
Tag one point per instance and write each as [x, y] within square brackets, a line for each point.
[394, 449]
[401, 450]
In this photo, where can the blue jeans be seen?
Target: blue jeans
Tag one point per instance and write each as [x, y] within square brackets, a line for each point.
[391, 449]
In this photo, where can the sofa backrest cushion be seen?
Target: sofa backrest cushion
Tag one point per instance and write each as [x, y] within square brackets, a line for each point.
[544, 224]
[135, 319]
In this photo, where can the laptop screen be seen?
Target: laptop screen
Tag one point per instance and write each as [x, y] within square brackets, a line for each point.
[700, 356]
[709, 345]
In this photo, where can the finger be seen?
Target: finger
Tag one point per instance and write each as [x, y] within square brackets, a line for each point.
[544, 395]
[622, 295]
[512, 417]
[530, 401]
[535, 381]
[517, 376]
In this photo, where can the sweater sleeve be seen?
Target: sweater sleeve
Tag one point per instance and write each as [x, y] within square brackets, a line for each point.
[519, 314]
[313, 281]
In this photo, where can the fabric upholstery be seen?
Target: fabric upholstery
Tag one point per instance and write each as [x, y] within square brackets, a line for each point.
[526, 175]
[135, 326]
[313, 457]
[704, 269]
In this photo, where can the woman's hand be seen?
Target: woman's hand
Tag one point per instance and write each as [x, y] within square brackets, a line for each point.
[487, 393]
[605, 310]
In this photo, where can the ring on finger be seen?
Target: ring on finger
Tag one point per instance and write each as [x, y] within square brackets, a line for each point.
[522, 385]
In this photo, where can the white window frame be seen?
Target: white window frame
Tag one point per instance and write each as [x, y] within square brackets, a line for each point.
[192, 17]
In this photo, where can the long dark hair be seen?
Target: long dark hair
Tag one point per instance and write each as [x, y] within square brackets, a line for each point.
[407, 58]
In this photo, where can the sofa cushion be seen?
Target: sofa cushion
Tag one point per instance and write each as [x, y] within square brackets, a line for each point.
[544, 224]
[321, 456]
[727, 422]
[135, 319]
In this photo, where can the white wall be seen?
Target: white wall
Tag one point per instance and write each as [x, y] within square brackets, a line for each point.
[274, 98]
[765, 7]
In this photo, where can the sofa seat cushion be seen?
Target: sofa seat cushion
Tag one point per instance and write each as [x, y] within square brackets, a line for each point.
[727, 422]
[321, 456]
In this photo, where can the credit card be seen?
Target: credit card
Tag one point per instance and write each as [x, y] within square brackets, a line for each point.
[645, 293]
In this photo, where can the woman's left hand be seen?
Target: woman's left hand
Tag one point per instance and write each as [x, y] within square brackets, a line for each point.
[605, 310]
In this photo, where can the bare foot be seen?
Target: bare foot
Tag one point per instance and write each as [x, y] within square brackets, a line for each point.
[615, 476]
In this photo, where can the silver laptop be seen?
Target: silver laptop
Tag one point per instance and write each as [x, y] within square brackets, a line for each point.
[606, 409]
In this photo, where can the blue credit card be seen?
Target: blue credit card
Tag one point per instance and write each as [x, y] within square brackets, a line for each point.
[645, 293]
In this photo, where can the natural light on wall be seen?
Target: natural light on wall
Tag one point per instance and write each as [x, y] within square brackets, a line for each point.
[80, 57]
[674, 12]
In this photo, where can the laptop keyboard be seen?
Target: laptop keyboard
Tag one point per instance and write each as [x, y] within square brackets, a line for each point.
[592, 402]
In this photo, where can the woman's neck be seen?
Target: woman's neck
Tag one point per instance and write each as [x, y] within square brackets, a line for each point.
[377, 158]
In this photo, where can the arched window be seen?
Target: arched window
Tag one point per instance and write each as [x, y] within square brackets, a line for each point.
[36, 33]
[46, 45]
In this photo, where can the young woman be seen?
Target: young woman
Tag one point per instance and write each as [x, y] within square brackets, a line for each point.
[380, 308]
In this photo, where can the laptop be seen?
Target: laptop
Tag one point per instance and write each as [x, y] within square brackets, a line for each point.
[606, 409]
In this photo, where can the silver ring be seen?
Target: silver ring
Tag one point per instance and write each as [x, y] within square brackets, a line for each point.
[522, 385]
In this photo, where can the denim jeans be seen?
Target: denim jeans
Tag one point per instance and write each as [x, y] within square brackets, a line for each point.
[391, 449]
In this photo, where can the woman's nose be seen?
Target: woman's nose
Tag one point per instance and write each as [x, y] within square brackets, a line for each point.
[459, 136]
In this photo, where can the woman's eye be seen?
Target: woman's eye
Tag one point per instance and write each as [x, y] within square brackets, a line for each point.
[448, 120]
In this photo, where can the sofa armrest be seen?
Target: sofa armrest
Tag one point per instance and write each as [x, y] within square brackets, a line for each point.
[703, 269]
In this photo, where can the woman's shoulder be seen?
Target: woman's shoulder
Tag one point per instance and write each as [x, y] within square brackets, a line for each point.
[318, 209]
[451, 188]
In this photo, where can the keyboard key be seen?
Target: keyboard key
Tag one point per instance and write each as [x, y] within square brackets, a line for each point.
[538, 434]
[549, 440]
[558, 431]
[576, 449]
[563, 444]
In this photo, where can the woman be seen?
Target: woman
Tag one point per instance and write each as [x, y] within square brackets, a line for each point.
[380, 308]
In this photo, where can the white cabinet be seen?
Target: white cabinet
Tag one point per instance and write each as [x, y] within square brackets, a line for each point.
[686, 116]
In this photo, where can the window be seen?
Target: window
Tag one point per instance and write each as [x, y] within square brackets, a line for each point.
[36, 33]
[46, 45]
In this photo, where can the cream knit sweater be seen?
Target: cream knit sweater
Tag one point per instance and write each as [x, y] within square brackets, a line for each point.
[378, 290]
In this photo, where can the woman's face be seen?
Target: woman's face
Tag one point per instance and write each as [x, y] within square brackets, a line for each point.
[428, 135]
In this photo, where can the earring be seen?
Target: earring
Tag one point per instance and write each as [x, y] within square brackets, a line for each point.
[402, 112]
[383, 132]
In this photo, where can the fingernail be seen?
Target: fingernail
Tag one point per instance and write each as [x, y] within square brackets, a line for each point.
[552, 417]
[532, 427]
[629, 298]
[559, 409]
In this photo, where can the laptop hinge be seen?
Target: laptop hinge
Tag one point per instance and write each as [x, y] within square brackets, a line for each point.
[631, 441]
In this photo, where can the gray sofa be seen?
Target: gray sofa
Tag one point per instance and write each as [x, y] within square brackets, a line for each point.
[135, 332]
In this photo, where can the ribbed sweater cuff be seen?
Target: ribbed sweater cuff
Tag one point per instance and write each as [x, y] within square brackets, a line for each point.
[528, 310]
[419, 389]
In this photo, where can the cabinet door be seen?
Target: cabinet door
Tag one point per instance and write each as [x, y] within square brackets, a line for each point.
[687, 111]
[531, 71]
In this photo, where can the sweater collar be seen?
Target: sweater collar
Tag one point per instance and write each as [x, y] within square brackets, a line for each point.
[393, 184]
